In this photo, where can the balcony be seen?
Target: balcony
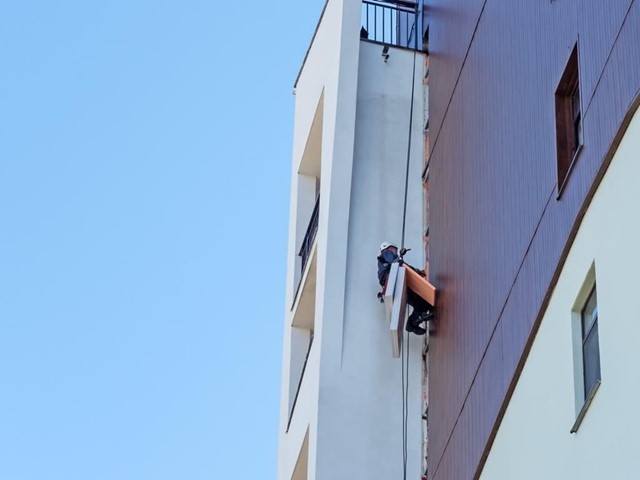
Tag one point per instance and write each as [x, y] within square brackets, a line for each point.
[391, 23]
[309, 236]
[307, 246]
[299, 383]
[304, 300]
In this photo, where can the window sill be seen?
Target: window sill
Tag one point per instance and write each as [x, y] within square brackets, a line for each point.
[571, 165]
[585, 407]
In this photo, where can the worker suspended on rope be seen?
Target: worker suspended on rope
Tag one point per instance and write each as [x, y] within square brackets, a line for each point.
[422, 311]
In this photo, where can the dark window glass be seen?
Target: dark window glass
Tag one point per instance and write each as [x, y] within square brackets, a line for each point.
[577, 118]
[590, 343]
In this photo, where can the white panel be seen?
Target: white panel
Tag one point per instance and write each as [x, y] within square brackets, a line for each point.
[398, 313]
[391, 288]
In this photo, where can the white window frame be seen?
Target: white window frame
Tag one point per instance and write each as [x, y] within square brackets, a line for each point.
[582, 400]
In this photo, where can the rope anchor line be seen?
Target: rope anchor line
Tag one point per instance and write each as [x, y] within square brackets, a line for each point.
[405, 358]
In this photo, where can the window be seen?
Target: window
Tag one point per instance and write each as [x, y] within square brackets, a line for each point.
[576, 117]
[590, 346]
[586, 347]
[568, 119]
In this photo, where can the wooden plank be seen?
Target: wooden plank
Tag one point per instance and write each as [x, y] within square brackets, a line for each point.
[399, 313]
[420, 285]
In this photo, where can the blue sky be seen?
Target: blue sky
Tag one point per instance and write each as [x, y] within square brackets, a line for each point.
[144, 185]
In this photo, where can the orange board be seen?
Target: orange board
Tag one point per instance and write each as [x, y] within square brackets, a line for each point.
[420, 285]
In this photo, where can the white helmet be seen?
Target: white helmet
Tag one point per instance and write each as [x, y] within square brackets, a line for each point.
[385, 245]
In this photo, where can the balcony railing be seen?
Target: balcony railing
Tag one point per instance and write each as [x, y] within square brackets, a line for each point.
[390, 23]
[309, 236]
[307, 243]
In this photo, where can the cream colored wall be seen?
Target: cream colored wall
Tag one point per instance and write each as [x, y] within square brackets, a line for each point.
[533, 441]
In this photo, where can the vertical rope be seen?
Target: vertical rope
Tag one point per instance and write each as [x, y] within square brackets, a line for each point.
[406, 412]
[404, 352]
[406, 177]
[404, 424]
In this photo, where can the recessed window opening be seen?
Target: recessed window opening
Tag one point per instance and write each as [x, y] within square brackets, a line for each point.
[569, 132]
[586, 347]
[590, 343]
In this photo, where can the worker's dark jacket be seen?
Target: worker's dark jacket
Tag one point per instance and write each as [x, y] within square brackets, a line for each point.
[385, 259]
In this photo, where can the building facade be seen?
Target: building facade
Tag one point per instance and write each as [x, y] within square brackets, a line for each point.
[359, 93]
[533, 170]
[522, 187]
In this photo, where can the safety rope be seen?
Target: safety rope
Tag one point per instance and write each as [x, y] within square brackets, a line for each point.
[406, 177]
[404, 352]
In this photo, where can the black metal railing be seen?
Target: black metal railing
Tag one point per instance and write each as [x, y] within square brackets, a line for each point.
[390, 23]
[309, 236]
[304, 367]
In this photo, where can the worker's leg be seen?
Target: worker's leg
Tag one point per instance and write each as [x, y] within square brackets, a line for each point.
[422, 312]
[413, 323]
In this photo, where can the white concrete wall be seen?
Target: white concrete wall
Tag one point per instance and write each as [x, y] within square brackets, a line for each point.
[348, 410]
[360, 402]
[533, 441]
[328, 76]
[349, 405]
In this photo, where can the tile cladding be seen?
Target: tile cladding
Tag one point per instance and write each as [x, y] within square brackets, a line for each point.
[498, 231]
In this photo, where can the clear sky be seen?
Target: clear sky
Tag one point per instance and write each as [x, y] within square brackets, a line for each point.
[145, 150]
